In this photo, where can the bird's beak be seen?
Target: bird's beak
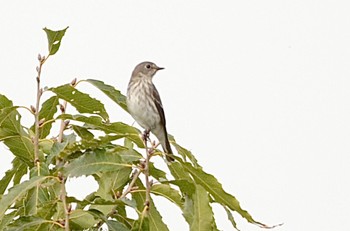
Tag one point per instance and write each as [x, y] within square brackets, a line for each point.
[159, 68]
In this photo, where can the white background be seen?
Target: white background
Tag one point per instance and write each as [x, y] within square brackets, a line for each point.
[257, 90]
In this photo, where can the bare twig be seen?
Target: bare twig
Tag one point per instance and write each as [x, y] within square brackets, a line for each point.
[146, 172]
[66, 206]
[132, 183]
[35, 111]
[63, 108]
[63, 123]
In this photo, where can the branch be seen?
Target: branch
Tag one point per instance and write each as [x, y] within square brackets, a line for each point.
[132, 183]
[35, 110]
[146, 171]
[63, 108]
[66, 207]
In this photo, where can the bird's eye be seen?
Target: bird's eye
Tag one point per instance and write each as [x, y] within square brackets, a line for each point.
[148, 66]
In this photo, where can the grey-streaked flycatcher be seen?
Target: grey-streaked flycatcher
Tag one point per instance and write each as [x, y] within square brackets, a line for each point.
[145, 106]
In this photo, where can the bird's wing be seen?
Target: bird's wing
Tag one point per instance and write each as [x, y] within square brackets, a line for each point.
[159, 105]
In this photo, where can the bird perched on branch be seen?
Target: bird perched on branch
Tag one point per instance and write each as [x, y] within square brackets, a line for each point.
[145, 106]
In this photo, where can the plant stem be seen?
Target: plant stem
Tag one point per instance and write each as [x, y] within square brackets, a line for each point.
[146, 172]
[66, 206]
[39, 92]
[63, 123]
[64, 201]
[131, 185]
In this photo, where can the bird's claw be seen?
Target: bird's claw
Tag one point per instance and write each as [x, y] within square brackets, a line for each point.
[145, 135]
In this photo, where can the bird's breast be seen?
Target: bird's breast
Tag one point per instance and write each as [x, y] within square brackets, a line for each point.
[141, 105]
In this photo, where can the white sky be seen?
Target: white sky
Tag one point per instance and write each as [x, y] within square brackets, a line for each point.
[258, 90]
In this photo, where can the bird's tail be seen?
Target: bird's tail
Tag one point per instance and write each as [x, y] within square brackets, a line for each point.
[162, 136]
[167, 149]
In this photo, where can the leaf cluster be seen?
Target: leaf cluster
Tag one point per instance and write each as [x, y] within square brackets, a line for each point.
[32, 194]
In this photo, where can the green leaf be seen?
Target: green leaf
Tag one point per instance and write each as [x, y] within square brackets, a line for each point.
[9, 174]
[5, 102]
[30, 223]
[113, 225]
[81, 101]
[156, 173]
[7, 219]
[128, 155]
[119, 128]
[111, 92]
[18, 192]
[183, 151]
[142, 224]
[31, 201]
[5, 113]
[154, 217]
[211, 184]
[178, 171]
[202, 212]
[167, 192]
[230, 218]
[13, 134]
[94, 161]
[84, 133]
[81, 219]
[187, 187]
[188, 209]
[110, 182]
[58, 148]
[47, 111]
[54, 39]
[22, 170]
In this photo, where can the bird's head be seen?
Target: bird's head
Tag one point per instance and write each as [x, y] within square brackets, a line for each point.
[146, 69]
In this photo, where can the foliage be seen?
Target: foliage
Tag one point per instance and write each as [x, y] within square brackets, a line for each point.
[32, 192]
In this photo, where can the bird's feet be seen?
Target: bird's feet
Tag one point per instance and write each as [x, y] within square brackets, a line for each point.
[145, 135]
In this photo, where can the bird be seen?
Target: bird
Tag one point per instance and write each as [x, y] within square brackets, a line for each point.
[145, 106]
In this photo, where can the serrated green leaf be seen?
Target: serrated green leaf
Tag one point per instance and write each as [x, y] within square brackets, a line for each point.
[211, 184]
[111, 92]
[84, 133]
[31, 202]
[187, 187]
[110, 182]
[156, 173]
[58, 148]
[5, 113]
[167, 192]
[81, 219]
[30, 224]
[119, 128]
[13, 134]
[18, 192]
[231, 218]
[81, 101]
[142, 224]
[95, 161]
[128, 155]
[113, 225]
[54, 39]
[202, 212]
[154, 217]
[178, 171]
[22, 170]
[183, 151]
[5, 102]
[9, 174]
[188, 209]
[116, 226]
[46, 113]
[7, 219]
